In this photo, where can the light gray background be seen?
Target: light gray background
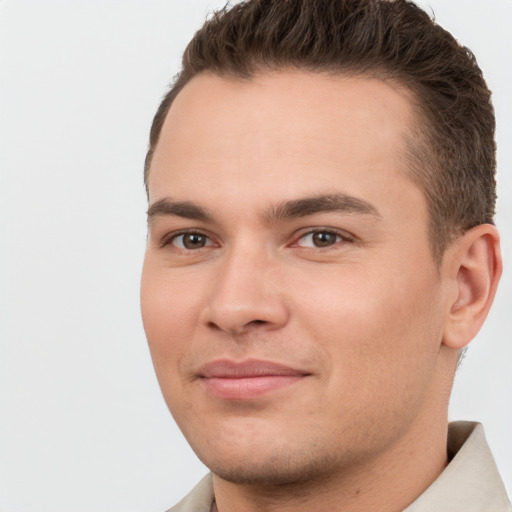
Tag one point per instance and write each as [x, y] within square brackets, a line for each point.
[82, 423]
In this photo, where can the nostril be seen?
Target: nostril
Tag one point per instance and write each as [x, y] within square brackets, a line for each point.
[239, 330]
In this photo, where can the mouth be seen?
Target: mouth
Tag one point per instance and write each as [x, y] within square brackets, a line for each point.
[247, 380]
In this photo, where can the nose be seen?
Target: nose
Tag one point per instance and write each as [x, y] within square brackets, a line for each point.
[246, 295]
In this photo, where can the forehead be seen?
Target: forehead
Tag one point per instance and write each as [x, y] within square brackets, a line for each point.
[288, 130]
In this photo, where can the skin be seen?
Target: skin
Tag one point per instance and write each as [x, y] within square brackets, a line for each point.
[371, 322]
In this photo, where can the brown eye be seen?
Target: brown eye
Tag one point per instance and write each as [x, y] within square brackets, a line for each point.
[191, 241]
[324, 239]
[320, 239]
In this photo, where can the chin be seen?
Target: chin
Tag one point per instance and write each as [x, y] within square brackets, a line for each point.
[270, 467]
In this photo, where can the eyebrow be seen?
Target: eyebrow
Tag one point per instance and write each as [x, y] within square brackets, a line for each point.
[185, 209]
[296, 208]
[339, 203]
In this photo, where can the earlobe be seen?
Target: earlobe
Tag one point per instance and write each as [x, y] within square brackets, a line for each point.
[476, 268]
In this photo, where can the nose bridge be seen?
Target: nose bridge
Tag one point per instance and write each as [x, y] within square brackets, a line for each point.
[246, 292]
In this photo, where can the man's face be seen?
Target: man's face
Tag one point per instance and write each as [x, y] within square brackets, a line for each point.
[291, 303]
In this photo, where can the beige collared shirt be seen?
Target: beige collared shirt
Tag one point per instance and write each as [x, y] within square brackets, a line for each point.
[470, 482]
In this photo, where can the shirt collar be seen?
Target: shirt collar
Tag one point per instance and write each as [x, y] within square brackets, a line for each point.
[471, 481]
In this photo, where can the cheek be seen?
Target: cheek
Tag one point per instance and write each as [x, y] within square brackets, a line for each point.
[377, 329]
[380, 351]
[169, 313]
[169, 316]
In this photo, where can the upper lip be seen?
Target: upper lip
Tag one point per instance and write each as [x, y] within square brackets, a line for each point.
[228, 369]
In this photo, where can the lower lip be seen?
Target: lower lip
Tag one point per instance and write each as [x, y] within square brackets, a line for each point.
[248, 388]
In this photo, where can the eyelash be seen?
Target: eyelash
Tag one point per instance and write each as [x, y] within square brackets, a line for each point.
[343, 236]
[170, 237]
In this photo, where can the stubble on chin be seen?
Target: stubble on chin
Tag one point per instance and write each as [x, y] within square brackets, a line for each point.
[279, 471]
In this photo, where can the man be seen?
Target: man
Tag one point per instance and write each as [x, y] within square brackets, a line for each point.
[321, 249]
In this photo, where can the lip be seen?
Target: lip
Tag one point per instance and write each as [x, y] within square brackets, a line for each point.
[246, 380]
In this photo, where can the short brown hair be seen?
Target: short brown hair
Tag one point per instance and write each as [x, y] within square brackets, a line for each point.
[452, 155]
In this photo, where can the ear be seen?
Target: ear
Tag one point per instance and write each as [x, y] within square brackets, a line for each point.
[474, 266]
